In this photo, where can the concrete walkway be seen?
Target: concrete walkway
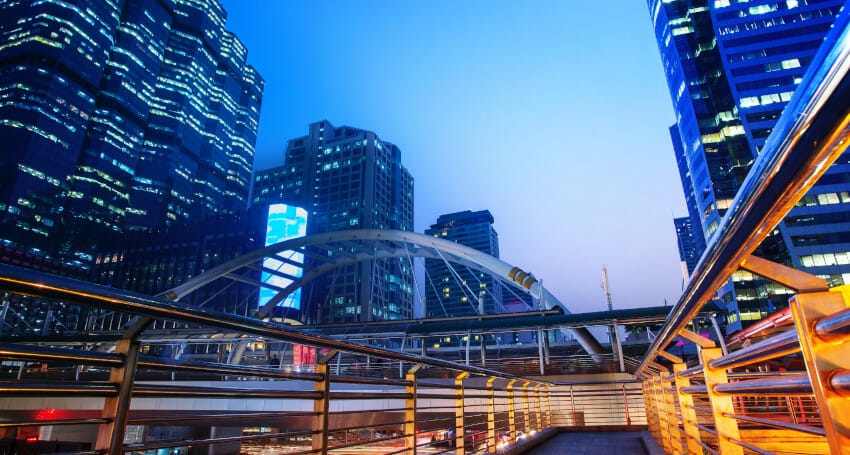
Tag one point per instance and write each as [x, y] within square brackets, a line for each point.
[608, 443]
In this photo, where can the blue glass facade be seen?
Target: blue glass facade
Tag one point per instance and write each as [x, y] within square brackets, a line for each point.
[689, 247]
[731, 68]
[347, 178]
[122, 114]
[461, 291]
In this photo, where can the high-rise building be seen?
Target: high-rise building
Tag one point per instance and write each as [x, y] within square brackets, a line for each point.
[452, 290]
[688, 238]
[347, 178]
[731, 67]
[118, 115]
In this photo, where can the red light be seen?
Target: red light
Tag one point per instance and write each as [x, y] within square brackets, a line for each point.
[32, 438]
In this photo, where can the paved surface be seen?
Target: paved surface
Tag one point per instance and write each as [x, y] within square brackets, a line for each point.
[607, 443]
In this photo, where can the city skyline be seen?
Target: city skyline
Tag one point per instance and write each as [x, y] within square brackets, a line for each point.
[551, 121]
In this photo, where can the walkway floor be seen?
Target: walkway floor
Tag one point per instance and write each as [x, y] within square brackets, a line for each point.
[608, 443]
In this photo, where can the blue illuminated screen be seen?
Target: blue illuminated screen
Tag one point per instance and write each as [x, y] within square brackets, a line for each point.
[284, 222]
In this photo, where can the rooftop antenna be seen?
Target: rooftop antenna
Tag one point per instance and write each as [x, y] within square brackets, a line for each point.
[605, 287]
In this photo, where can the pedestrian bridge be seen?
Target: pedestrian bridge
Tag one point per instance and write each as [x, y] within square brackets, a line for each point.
[786, 389]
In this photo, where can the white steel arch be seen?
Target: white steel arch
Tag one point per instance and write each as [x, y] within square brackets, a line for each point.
[353, 246]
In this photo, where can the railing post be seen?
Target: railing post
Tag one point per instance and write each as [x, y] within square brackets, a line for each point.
[670, 397]
[651, 411]
[573, 406]
[491, 417]
[511, 412]
[459, 426]
[663, 412]
[626, 407]
[526, 416]
[726, 427]
[410, 411]
[689, 415]
[321, 406]
[548, 420]
[538, 418]
[110, 436]
[823, 359]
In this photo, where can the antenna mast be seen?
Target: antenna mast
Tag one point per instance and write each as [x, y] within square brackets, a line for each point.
[605, 287]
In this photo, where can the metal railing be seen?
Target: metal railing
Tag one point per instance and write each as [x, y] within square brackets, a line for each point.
[112, 397]
[787, 393]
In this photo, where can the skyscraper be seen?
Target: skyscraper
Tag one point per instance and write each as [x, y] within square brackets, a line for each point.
[347, 178]
[688, 237]
[731, 68]
[451, 290]
[119, 115]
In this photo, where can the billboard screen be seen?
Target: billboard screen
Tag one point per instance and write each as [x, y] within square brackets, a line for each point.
[283, 223]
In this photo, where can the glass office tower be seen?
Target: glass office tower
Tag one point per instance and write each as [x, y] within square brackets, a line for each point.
[456, 290]
[347, 178]
[731, 68]
[118, 115]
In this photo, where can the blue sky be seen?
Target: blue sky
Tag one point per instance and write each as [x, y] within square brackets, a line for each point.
[553, 115]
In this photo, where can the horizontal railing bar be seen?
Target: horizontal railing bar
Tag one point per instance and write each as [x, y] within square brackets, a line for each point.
[11, 351]
[700, 409]
[785, 343]
[57, 389]
[703, 445]
[691, 372]
[369, 396]
[147, 390]
[778, 424]
[362, 443]
[834, 327]
[368, 425]
[783, 385]
[435, 385]
[211, 367]
[369, 381]
[41, 423]
[695, 390]
[808, 137]
[706, 429]
[210, 441]
[840, 383]
[366, 411]
[223, 416]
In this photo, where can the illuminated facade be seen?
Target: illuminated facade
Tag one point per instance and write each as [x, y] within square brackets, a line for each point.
[460, 291]
[120, 115]
[347, 178]
[284, 222]
[689, 248]
[731, 68]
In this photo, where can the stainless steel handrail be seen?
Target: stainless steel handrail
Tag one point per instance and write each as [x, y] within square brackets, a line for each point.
[38, 284]
[797, 384]
[778, 345]
[811, 134]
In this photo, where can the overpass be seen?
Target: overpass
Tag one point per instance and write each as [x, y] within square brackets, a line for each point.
[785, 393]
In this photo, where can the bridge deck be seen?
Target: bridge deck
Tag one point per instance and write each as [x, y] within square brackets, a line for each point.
[591, 443]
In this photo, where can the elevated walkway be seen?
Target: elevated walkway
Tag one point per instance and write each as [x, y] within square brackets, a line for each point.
[599, 442]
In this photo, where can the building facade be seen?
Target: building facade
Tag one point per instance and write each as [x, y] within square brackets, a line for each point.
[731, 68]
[689, 249]
[451, 290]
[119, 115]
[151, 262]
[347, 178]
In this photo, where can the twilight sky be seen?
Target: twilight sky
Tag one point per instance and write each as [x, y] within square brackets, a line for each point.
[551, 114]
